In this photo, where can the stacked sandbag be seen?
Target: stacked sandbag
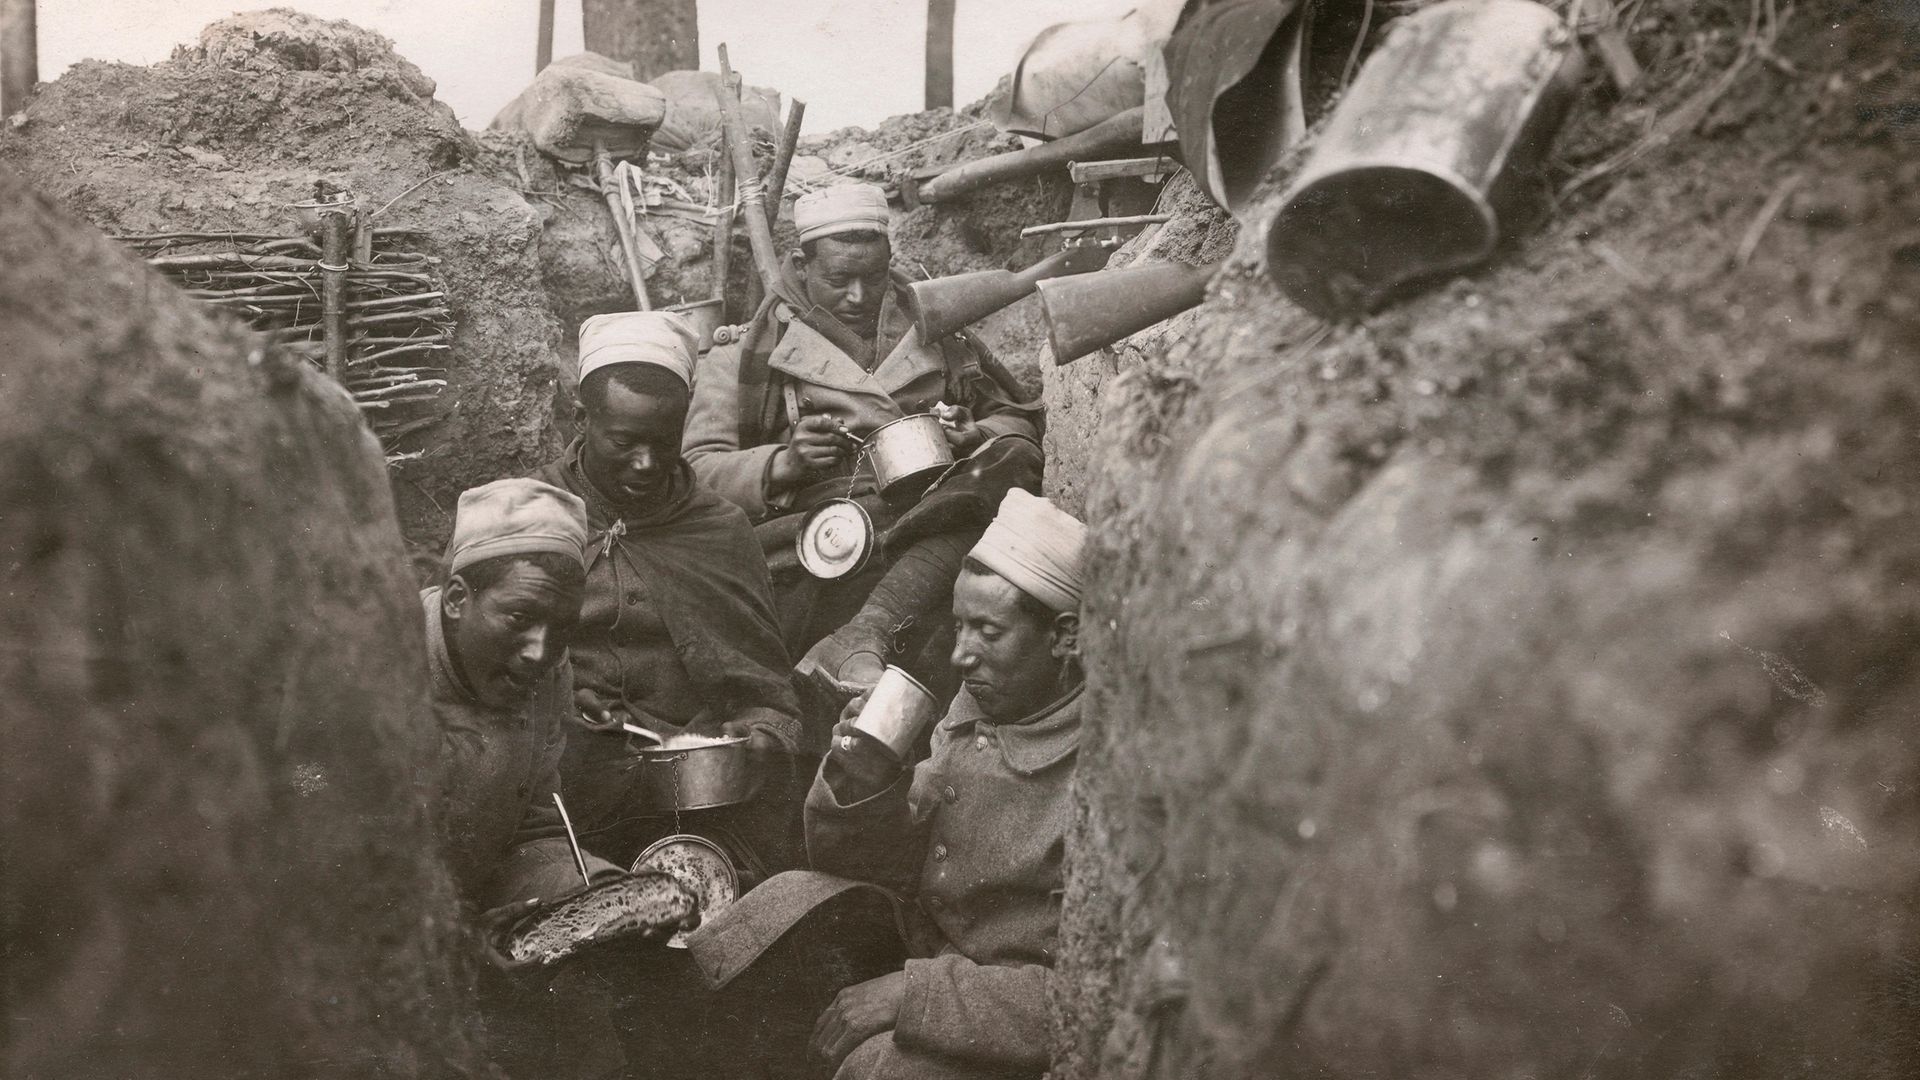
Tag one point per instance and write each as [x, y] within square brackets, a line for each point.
[578, 104]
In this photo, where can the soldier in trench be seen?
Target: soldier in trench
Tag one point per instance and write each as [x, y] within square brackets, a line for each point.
[777, 421]
[677, 632]
[968, 842]
[497, 631]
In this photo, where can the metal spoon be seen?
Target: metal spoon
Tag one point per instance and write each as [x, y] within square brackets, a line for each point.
[635, 729]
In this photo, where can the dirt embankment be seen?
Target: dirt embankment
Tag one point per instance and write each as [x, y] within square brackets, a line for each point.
[1520, 682]
[232, 130]
[218, 857]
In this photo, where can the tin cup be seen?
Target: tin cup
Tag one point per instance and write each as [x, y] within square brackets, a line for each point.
[898, 709]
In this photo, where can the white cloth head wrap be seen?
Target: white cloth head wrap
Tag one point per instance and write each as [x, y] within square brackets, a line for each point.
[843, 208]
[661, 338]
[1038, 547]
[516, 516]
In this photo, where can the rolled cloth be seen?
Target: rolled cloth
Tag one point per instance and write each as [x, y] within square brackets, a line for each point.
[516, 516]
[843, 208]
[1038, 547]
[664, 339]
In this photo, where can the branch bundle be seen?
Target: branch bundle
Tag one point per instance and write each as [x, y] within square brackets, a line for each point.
[397, 320]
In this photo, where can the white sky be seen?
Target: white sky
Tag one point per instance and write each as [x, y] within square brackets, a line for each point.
[852, 61]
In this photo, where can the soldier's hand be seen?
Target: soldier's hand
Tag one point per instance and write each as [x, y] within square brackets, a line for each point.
[964, 435]
[495, 924]
[857, 1014]
[596, 712]
[819, 442]
[762, 745]
[852, 712]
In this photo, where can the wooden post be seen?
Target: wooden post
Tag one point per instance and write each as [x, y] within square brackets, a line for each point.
[783, 159]
[336, 246]
[723, 223]
[940, 54]
[19, 54]
[543, 48]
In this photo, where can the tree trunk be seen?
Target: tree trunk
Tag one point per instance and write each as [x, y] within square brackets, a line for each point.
[19, 54]
[655, 36]
[543, 47]
[940, 54]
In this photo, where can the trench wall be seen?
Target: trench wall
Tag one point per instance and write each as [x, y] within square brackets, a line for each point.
[216, 854]
[1521, 682]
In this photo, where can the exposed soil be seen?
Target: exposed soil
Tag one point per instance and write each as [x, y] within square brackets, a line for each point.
[218, 856]
[1517, 683]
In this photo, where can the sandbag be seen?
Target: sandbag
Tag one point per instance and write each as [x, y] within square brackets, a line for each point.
[573, 105]
[693, 110]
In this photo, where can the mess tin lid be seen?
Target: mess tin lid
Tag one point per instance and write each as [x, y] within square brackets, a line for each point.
[699, 864]
[836, 539]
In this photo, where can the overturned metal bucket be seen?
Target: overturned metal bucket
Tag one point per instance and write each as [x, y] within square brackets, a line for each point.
[1431, 158]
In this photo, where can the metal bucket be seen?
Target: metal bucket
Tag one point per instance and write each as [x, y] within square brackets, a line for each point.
[898, 709]
[699, 864]
[707, 316]
[908, 454]
[1433, 155]
[672, 777]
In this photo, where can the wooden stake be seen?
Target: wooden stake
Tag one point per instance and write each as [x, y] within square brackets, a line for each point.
[723, 223]
[783, 159]
[336, 236]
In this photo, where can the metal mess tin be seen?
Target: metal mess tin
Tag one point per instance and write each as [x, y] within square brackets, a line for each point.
[908, 454]
[707, 316]
[691, 772]
[1432, 156]
[835, 539]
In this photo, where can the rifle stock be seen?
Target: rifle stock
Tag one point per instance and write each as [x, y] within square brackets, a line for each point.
[945, 305]
[1096, 310]
[1108, 138]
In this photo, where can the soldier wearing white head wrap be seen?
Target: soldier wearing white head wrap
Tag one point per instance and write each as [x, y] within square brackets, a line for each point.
[844, 208]
[975, 834]
[664, 339]
[1036, 546]
[778, 420]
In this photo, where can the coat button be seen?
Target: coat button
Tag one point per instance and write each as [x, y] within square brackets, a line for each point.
[633, 596]
[949, 794]
[939, 852]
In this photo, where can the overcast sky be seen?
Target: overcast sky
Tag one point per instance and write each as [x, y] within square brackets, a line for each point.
[853, 61]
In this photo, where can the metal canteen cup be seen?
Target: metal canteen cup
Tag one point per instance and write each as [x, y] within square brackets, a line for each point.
[1433, 155]
[707, 316]
[898, 709]
[907, 452]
